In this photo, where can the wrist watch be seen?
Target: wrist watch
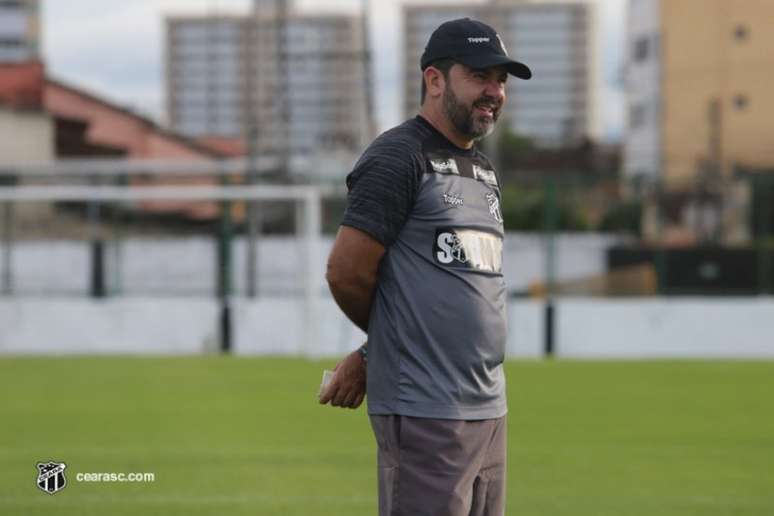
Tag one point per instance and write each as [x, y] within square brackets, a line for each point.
[363, 350]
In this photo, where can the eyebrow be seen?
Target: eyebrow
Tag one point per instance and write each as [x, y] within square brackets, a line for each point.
[502, 74]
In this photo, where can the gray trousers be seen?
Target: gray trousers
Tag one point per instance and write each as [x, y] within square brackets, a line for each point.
[440, 467]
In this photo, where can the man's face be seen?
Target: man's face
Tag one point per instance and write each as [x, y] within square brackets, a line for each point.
[472, 99]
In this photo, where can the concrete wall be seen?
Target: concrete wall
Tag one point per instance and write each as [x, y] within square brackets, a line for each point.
[82, 326]
[33, 138]
[187, 265]
[586, 328]
[707, 328]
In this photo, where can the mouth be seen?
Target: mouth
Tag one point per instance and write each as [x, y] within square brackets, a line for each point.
[486, 109]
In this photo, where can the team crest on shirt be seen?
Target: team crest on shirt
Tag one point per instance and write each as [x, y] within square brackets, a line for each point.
[494, 206]
[445, 166]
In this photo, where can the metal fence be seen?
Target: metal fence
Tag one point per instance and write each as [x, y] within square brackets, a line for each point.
[160, 229]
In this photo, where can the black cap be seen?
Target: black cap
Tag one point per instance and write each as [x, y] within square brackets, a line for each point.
[472, 43]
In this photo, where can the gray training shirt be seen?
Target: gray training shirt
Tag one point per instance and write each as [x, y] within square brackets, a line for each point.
[436, 334]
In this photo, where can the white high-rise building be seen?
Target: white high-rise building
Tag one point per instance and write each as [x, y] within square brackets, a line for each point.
[19, 30]
[207, 76]
[555, 39]
[302, 87]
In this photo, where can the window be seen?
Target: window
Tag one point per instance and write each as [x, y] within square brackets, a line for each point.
[641, 49]
[637, 116]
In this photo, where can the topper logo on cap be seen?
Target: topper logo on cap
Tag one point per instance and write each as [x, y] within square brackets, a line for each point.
[473, 44]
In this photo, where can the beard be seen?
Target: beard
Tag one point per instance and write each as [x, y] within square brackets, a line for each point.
[463, 117]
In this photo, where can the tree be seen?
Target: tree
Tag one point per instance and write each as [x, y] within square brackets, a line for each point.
[624, 216]
[525, 210]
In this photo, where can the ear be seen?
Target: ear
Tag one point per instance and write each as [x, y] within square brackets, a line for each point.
[434, 81]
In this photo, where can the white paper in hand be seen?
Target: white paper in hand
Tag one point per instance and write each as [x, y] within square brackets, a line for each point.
[326, 380]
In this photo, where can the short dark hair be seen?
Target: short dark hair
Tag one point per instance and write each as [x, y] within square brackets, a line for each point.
[444, 65]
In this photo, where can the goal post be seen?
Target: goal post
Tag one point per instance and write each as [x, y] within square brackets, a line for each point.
[308, 213]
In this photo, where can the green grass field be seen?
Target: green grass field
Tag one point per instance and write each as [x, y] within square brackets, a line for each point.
[238, 436]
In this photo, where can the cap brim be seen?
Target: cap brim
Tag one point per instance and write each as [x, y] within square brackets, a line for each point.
[514, 68]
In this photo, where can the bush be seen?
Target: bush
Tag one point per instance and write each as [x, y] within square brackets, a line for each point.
[623, 217]
[525, 210]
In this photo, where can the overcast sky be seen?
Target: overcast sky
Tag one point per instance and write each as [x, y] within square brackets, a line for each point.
[115, 49]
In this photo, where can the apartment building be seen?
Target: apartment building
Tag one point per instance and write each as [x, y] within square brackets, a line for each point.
[557, 106]
[297, 79]
[699, 75]
[208, 80]
[19, 30]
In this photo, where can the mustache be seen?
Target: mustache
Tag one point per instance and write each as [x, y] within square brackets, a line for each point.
[488, 102]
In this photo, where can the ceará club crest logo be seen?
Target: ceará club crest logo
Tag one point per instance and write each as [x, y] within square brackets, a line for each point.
[51, 477]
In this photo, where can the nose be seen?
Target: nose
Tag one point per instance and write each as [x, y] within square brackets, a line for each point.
[495, 88]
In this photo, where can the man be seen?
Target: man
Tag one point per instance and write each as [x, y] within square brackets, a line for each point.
[417, 265]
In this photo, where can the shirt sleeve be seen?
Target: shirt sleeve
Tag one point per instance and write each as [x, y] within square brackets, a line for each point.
[381, 193]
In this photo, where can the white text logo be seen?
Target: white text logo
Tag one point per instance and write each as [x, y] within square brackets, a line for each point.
[453, 199]
[469, 248]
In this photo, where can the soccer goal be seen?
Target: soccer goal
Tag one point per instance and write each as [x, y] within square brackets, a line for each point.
[113, 228]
